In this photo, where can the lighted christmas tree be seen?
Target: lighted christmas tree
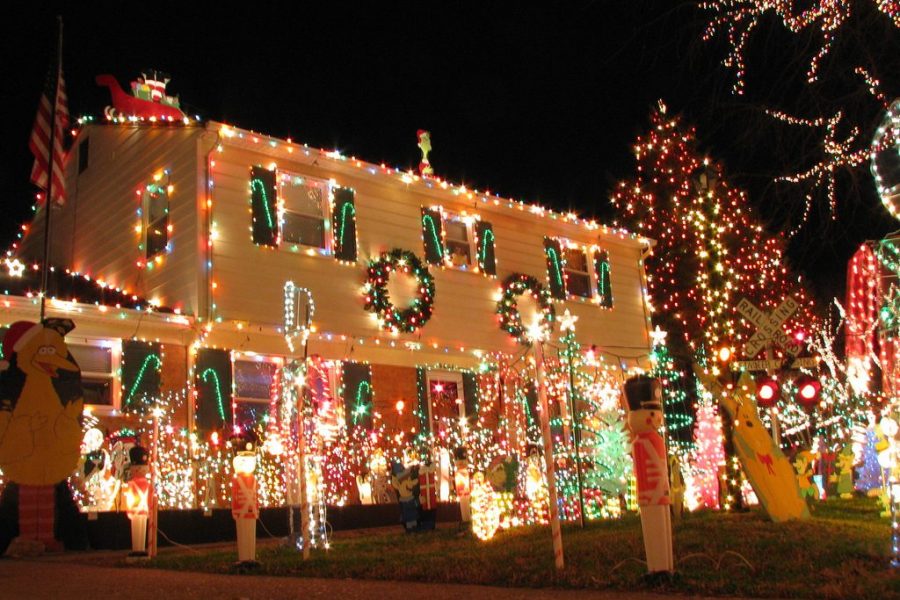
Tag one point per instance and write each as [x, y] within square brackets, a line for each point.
[712, 249]
[708, 457]
[869, 475]
[609, 452]
[676, 401]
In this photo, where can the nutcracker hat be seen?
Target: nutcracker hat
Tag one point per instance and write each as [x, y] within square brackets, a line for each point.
[18, 334]
[643, 393]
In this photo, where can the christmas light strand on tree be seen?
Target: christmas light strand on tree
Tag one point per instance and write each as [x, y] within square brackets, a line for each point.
[712, 249]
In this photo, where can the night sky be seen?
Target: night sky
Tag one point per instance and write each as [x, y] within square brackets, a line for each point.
[538, 104]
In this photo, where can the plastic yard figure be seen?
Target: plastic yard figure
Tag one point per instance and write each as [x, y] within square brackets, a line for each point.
[645, 417]
[40, 430]
[803, 463]
[461, 481]
[406, 482]
[244, 503]
[845, 461]
[768, 470]
[137, 500]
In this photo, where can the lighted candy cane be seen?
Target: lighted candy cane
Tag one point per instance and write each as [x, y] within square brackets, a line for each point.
[293, 326]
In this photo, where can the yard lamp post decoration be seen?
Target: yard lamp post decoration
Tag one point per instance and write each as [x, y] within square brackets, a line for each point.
[533, 335]
[137, 500]
[244, 503]
[645, 417]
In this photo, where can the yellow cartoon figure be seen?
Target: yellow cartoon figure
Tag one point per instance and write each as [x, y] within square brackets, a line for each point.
[769, 472]
[40, 430]
[804, 463]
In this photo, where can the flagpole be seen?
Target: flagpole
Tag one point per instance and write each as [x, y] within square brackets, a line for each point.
[45, 268]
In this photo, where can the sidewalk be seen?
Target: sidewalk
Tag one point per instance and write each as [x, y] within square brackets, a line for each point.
[73, 579]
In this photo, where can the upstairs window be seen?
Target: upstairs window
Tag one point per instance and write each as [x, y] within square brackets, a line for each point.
[304, 214]
[576, 271]
[458, 241]
[578, 277]
[155, 207]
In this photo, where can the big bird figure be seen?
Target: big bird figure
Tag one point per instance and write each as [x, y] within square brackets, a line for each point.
[40, 430]
[768, 470]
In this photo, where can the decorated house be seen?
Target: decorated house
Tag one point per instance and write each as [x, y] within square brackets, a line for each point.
[191, 256]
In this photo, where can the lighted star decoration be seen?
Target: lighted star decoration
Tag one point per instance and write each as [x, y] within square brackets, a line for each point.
[567, 321]
[658, 336]
[15, 267]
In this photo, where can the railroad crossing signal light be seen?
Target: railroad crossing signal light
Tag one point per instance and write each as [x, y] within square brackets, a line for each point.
[768, 392]
[724, 354]
[808, 389]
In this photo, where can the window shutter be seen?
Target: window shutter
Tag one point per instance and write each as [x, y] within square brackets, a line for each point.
[601, 268]
[433, 235]
[422, 397]
[212, 381]
[141, 375]
[263, 207]
[484, 237]
[357, 394]
[343, 224]
[555, 275]
[470, 396]
[532, 422]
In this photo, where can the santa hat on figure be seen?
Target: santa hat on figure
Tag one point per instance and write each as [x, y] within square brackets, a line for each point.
[15, 339]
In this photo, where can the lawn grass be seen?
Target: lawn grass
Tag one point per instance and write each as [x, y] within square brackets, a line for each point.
[842, 552]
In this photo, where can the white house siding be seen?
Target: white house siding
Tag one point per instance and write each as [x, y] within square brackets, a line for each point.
[94, 233]
[250, 278]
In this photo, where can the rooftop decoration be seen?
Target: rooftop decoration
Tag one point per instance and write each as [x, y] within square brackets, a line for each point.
[148, 101]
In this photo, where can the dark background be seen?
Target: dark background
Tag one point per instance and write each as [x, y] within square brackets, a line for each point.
[541, 104]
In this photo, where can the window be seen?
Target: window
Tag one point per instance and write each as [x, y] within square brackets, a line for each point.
[155, 206]
[463, 242]
[254, 377]
[99, 361]
[574, 270]
[578, 277]
[304, 211]
[458, 238]
[446, 401]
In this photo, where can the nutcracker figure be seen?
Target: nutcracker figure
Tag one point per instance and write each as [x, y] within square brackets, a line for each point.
[137, 499]
[645, 416]
[244, 506]
[463, 484]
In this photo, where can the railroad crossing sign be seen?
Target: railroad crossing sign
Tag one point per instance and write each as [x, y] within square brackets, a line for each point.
[807, 362]
[769, 326]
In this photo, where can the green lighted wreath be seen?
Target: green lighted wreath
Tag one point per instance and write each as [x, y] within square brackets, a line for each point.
[508, 307]
[378, 300]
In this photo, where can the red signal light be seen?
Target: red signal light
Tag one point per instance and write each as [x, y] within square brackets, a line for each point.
[768, 393]
[808, 389]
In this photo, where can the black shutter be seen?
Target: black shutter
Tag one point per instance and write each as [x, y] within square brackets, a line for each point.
[433, 235]
[263, 206]
[555, 274]
[357, 394]
[141, 377]
[532, 420]
[343, 224]
[484, 236]
[422, 397]
[212, 380]
[470, 397]
[601, 268]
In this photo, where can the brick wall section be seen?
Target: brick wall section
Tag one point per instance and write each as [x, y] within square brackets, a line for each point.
[391, 384]
[173, 377]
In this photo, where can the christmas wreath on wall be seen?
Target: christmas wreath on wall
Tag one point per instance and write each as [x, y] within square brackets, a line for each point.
[378, 300]
[508, 306]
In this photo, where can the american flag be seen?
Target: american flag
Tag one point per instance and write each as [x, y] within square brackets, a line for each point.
[39, 143]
